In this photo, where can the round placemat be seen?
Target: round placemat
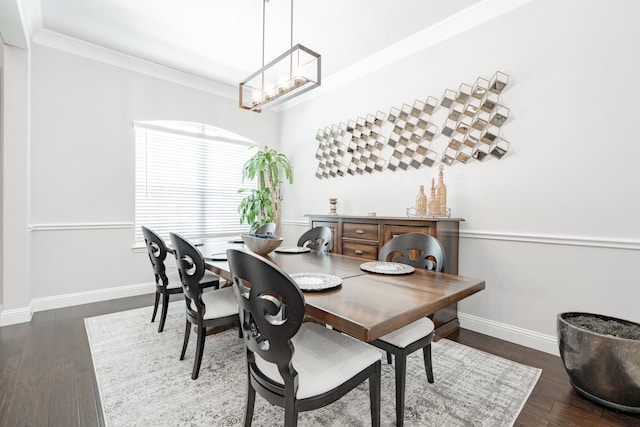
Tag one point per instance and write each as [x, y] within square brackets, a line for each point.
[316, 281]
[382, 267]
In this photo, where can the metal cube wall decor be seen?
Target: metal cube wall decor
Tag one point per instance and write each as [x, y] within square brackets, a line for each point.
[404, 137]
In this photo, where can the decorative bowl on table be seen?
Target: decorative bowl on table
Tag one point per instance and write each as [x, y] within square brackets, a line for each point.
[261, 244]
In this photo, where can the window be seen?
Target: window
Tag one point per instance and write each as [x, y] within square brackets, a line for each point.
[187, 179]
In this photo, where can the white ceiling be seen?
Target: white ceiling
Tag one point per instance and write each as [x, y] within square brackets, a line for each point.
[221, 40]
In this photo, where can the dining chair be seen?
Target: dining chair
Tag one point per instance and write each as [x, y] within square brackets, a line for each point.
[317, 238]
[300, 366]
[167, 282]
[268, 229]
[421, 251]
[205, 310]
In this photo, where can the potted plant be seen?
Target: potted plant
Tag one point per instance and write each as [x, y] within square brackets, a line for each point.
[263, 204]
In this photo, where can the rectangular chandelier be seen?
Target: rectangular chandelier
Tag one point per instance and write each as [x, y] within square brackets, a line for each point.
[293, 73]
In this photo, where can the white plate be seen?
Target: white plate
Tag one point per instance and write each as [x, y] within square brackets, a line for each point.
[222, 256]
[316, 281]
[293, 249]
[382, 267]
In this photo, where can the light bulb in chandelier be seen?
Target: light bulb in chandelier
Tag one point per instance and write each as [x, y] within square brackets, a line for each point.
[293, 73]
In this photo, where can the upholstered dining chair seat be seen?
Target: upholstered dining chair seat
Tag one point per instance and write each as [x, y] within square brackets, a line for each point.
[409, 334]
[209, 279]
[323, 359]
[174, 280]
[218, 303]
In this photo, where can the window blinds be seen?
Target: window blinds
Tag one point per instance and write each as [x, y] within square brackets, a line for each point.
[188, 184]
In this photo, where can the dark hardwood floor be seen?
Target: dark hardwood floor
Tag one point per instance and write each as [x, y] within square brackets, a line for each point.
[47, 379]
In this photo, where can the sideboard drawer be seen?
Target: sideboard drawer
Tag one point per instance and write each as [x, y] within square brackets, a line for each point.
[391, 231]
[360, 231]
[359, 250]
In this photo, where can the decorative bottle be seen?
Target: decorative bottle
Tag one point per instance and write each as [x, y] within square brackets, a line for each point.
[434, 205]
[421, 202]
[441, 193]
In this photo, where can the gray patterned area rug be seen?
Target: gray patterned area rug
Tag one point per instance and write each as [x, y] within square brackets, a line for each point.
[142, 382]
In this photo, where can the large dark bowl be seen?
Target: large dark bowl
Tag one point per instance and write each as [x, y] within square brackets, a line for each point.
[602, 367]
[261, 244]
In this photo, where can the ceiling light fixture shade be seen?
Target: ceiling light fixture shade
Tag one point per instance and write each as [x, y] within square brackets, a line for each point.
[293, 73]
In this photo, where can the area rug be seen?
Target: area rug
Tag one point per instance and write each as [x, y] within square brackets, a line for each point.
[142, 382]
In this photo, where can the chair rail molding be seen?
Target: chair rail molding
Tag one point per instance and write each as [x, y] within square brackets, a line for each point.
[81, 226]
[593, 242]
[300, 223]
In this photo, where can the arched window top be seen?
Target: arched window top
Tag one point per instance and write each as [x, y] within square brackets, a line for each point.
[188, 177]
[194, 129]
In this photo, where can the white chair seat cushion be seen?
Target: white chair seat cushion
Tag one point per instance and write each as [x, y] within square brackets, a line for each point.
[209, 278]
[218, 303]
[174, 278]
[410, 333]
[324, 359]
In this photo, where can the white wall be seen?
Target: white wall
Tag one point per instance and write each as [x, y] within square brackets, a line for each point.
[14, 166]
[83, 162]
[81, 169]
[553, 225]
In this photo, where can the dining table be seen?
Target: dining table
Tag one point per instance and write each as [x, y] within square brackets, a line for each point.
[364, 305]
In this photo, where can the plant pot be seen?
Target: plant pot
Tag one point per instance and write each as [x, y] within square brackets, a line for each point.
[601, 355]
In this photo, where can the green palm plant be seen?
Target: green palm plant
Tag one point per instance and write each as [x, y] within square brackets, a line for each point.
[263, 205]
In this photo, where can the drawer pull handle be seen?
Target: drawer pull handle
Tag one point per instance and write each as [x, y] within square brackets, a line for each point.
[358, 252]
[359, 231]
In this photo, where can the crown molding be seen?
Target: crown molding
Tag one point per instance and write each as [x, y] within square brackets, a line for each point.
[465, 20]
[458, 23]
[98, 53]
[14, 28]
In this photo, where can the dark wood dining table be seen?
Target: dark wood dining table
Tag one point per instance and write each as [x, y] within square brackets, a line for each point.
[366, 305]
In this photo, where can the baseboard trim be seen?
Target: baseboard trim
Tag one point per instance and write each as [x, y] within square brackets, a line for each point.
[521, 336]
[24, 314]
[77, 298]
[15, 316]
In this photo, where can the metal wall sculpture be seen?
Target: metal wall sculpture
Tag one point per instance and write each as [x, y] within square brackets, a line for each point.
[403, 138]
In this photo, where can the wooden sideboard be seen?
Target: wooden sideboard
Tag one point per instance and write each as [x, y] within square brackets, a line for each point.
[364, 236]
